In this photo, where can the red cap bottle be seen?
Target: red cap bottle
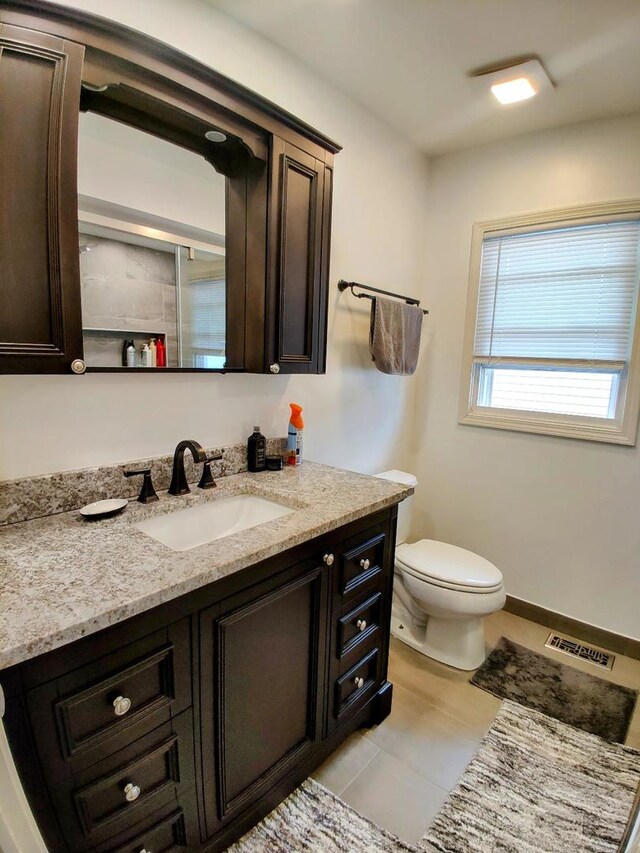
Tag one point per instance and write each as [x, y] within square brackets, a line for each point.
[161, 353]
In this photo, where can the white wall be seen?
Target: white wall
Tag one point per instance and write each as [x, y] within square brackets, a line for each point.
[355, 417]
[558, 516]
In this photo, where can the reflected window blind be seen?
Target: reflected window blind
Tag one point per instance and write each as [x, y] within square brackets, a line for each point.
[208, 315]
[563, 294]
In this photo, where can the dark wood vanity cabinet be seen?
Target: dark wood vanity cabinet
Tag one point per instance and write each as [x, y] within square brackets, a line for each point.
[261, 671]
[179, 729]
[278, 174]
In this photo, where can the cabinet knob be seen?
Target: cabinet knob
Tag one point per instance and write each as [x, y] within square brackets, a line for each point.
[364, 564]
[78, 366]
[131, 792]
[358, 682]
[121, 704]
[328, 559]
[274, 368]
[361, 624]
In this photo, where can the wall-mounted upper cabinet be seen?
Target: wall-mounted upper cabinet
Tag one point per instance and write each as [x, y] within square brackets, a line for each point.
[300, 251]
[144, 196]
[40, 328]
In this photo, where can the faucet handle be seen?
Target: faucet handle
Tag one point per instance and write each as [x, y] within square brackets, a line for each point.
[206, 480]
[147, 492]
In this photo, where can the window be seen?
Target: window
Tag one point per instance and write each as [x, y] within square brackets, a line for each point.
[553, 303]
[203, 297]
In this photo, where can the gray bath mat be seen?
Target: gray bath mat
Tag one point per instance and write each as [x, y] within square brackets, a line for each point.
[574, 697]
[538, 786]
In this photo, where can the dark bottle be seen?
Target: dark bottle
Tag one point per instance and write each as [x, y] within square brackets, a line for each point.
[256, 451]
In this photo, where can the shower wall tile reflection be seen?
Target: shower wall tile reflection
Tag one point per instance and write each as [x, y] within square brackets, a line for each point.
[127, 292]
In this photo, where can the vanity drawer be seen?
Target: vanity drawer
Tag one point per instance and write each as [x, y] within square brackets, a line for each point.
[355, 686]
[359, 625]
[117, 793]
[119, 700]
[362, 563]
[172, 829]
[86, 715]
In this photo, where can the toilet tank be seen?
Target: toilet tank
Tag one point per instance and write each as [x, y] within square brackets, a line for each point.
[405, 508]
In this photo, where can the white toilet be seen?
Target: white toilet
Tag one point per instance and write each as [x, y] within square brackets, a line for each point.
[441, 593]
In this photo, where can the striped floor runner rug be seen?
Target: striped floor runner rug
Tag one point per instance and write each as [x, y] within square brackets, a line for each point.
[536, 785]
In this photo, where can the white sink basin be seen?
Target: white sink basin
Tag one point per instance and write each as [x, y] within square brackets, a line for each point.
[188, 528]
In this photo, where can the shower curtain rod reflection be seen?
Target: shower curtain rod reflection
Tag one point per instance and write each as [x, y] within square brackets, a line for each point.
[343, 285]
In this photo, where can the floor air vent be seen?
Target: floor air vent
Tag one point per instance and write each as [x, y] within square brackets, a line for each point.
[579, 650]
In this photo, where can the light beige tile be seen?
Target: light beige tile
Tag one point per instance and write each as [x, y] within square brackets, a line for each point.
[432, 742]
[503, 624]
[346, 762]
[444, 687]
[395, 797]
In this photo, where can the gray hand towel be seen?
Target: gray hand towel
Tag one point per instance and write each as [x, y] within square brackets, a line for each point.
[395, 336]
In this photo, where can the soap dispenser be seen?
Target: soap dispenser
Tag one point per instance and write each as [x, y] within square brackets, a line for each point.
[256, 451]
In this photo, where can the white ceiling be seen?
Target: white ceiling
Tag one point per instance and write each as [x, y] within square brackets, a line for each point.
[407, 61]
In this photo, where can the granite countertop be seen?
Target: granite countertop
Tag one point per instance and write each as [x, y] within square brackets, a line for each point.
[62, 577]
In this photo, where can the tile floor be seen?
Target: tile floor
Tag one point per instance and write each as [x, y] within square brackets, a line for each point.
[399, 773]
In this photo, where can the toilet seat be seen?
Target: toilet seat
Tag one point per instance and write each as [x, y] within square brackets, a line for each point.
[448, 566]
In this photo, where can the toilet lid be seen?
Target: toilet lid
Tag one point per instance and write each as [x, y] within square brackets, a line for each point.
[447, 564]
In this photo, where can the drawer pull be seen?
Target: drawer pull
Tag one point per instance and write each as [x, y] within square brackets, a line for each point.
[364, 564]
[121, 705]
[358, 681]
[361, 624]
[328, 559]
[131, 792]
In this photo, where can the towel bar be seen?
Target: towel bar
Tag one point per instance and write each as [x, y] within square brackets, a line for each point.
[343, 285]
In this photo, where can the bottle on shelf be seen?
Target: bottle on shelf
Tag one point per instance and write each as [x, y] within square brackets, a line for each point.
[145, 355]
[161, 353]
[131, 354]
[153, 350]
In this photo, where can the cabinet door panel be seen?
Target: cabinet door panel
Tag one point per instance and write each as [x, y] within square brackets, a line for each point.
[264, 656]
[299, 313]
[40, 324]
[298, 267]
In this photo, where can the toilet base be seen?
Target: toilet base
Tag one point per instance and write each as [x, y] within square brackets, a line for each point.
[456, 642]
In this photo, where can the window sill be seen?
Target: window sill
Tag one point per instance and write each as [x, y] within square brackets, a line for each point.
[586, 429]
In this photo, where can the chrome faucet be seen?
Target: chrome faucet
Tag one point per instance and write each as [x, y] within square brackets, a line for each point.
[179, 485]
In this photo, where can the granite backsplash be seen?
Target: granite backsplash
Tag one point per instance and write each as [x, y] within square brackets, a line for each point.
[47, 494]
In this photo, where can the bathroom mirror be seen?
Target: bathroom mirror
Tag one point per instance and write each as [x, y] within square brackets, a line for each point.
[152, 251]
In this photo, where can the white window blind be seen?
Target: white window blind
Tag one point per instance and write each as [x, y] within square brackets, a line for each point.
[208, 316]
[552, 314]
[566, 294]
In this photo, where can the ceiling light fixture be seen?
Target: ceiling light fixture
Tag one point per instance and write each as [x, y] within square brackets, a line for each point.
[516, 81]
[512, 91]
[215, 136]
